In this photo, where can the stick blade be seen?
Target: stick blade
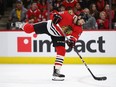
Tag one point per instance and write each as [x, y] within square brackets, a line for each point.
[100, 78]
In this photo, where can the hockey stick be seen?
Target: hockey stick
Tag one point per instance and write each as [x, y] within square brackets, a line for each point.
[96, 78]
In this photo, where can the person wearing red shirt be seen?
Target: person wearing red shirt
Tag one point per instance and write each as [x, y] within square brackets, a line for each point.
[100, 5]
[103, 22]
[39, 4]
[78, 9]
[69, 4]
[58, 27]
[33, 14]
[109, 12]
[44, 14]
[42, 4]
[93, 11]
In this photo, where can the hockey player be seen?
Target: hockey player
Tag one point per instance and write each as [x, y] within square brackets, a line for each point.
[61, 24]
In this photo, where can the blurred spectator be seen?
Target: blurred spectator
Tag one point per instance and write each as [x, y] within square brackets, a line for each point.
[81, 2]
[90, 22]
[4, 6]
[44, 10]
[109, 13]
[93, 11]
[39, 4]
[61, 8]
[56, 4]
[52, 11]
[34, 1]
[44, 14]
[107, 1]
[100, 5]
[114, 3]
[114, 20]
[103, 22]
[86, 3]
[69, 4]
[42, 5]
[26, 3]
[33, 14]
[78, 9]
[17, 15]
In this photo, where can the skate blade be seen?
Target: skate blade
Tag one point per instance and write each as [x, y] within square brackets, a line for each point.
[58, 79]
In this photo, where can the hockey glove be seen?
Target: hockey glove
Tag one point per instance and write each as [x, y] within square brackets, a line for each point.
[71, 42]
[56, 18]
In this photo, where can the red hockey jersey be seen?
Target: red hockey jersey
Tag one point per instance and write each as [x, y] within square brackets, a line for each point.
[69, 4]
[36, 15]
[67, 20]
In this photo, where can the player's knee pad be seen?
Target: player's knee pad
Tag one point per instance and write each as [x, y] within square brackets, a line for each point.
[28, 28]
[60, 50]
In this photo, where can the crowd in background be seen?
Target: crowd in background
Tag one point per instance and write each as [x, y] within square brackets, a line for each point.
[98, 14]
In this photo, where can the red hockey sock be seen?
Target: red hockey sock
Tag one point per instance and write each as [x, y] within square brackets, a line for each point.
[60, 56]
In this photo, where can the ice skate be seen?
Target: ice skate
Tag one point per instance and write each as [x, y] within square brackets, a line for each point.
[57, 76]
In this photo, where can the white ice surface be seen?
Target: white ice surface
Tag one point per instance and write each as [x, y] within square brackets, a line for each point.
[36, 75]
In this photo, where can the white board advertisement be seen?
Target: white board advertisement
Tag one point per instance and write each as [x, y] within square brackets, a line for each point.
[90, 44]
